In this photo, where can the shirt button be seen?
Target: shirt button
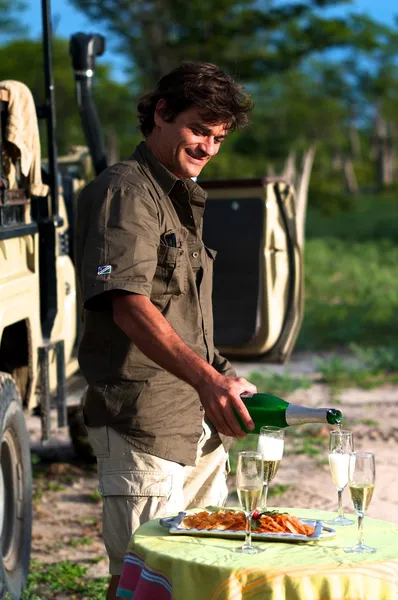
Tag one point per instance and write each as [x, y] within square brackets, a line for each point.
[195, 254]
[201, 408]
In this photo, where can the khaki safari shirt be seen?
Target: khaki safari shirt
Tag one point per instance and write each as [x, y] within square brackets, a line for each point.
[139, 229]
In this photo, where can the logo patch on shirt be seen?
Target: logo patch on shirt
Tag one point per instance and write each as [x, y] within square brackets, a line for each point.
[104, 270]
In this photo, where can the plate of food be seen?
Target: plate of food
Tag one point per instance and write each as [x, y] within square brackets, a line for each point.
[266, 525]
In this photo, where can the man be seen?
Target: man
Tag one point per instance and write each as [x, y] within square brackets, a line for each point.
[159, 394]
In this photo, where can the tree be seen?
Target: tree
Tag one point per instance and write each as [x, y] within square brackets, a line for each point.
[377, 85]
[10, 13]
[300, 104]
[249, 38]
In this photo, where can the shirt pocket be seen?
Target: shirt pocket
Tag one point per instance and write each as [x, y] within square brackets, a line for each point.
[171, 275]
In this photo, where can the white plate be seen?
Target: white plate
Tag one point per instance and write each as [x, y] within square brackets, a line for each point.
[321, 531]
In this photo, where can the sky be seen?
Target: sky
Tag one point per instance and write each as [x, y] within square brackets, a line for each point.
[67, 20]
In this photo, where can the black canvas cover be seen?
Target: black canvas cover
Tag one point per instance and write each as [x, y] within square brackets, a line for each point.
[235, 229]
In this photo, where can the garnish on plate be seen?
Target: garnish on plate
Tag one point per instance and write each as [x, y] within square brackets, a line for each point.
[276, 522]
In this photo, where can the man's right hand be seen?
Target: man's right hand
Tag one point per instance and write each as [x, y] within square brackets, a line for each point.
[222, 402]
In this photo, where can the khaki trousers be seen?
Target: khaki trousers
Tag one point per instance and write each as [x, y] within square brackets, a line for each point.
[137, 487]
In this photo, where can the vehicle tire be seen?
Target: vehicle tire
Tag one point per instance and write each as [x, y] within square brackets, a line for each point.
[15, 492]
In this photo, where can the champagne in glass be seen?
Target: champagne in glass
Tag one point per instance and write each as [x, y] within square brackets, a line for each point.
[361, 481]
[270, 446]
[341, 446]
[249, 481]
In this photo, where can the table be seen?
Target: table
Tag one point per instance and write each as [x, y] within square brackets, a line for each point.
[164, 566]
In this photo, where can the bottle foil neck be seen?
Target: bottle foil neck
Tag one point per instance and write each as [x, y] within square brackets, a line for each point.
[295, 415]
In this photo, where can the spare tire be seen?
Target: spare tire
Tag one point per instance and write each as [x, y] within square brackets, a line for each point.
[15, 492]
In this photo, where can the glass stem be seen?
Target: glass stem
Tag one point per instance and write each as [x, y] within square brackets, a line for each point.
[340, 509]
[360, 529]
[265, 494]
[248, 536]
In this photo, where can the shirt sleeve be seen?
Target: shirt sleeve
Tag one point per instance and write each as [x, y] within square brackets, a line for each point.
[222, 365]
[119, 251]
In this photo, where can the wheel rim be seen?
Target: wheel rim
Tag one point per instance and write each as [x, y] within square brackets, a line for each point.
[12, 495]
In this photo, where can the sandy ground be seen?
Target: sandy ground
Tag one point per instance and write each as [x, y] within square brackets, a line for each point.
[67, 517]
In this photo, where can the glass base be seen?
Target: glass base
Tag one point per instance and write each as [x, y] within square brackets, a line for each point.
[340, 521]
[245, 549]
[360, 549]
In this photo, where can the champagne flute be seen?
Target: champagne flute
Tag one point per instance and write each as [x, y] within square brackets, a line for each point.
[361, 481]
[249, 481]
[270, 445]
[341, 446]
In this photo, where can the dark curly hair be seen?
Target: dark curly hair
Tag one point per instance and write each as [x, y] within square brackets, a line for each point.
[201, 85]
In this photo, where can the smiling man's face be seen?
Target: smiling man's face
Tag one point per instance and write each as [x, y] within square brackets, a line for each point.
[185, 145]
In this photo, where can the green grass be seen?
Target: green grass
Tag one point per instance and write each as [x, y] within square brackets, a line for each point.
[366, 368]
[76, 542]
[351, 259]
[377, 359]
[65, 578]
[305, 439]
[278, 489]
[370, 218]
[311, 446]
[351, 294]
[370, 422]
[95, 497]
[278, 384]
[41, 486]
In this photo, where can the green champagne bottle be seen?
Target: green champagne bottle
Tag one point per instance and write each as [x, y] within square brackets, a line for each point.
[266, 409]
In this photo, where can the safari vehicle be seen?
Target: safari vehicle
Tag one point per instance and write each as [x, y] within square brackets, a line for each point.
[38, 315]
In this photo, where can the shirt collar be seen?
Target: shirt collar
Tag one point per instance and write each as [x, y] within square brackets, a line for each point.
[164, 177]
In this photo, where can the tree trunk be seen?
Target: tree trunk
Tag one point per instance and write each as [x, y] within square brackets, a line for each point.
[382, 150]
[271, 171]
[112, 146]
[300, 181]
[337, 160]
[302, 192]
[289, 170]
[355, 142]
[350, 179]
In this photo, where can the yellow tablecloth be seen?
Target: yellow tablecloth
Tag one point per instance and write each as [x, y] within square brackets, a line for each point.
[203, 568]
